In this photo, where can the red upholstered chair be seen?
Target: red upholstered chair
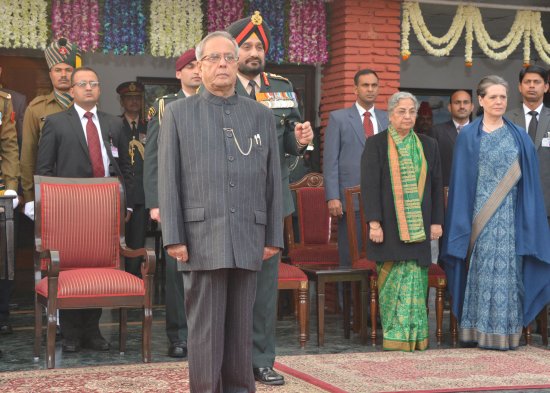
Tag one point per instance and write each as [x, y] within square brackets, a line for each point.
[436, 275]
[316, 247]
[291, 277]
[80, 250]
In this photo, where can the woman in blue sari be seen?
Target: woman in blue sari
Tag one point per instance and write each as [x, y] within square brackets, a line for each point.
[496, 234]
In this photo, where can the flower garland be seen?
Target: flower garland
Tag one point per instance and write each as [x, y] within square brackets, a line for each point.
[273, 12]
[307, 25]
[527, 25]
[124, 27]
[174, 27]
[221, 13]
[23, 24]
[78, 21]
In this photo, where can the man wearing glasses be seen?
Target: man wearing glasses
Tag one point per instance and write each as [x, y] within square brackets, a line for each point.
[83, 142]
[275, 92]
[220, 204]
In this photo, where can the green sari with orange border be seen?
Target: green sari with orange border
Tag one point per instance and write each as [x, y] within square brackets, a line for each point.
[403, 285]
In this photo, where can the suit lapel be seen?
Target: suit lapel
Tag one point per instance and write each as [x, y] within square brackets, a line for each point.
[76, 124]
[357, 124]
[451, 131]
[239, 88]
[543, 127]
[105, 135]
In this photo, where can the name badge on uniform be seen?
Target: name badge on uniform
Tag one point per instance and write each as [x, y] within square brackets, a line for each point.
[114, 150]
[275, 100]
[545, 142]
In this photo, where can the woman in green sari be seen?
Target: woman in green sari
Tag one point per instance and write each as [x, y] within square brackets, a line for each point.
[402, 192]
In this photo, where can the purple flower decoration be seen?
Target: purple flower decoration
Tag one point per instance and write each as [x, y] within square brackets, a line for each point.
[308, 38]
[78, 21]
[273, 12]
[221, 13]
[124, 27]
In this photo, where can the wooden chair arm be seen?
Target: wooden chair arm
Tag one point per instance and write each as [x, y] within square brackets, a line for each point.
[52, 264]
[148, 266]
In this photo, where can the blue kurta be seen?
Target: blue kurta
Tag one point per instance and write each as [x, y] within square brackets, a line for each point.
[532, 234]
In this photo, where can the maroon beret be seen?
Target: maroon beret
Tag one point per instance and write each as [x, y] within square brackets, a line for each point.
[186, 58]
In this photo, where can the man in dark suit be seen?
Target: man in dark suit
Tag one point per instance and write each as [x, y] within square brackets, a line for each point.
[176, 323]
[135, 130]
[220, 204]
[345, 137]
[82, 142]
[534, 117]
[275, 92]
[461, 107]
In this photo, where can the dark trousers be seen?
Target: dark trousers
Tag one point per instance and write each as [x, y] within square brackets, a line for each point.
[80, 324]
[265, 313]
[219, 305]
[344, 254]
[136, 230]
[176, 322]
[6, 287]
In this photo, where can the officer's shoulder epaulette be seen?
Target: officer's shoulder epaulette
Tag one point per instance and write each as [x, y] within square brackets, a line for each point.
[37, 100]
[275, 76]
[5, 95]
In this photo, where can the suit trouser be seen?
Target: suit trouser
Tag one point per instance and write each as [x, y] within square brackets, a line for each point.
[265, 314]
[80, 324]
[136, 230]
[176, 322]
[344, 254]
[219, 305]
[6, 287]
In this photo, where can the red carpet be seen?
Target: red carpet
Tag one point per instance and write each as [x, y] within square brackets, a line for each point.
[445, 370]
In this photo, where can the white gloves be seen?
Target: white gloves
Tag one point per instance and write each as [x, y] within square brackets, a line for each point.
[29, 210]
[15, 200]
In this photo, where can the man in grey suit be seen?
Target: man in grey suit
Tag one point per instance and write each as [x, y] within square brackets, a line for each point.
[461, 107]
[220, 204]
[534, 117]
[345, 137]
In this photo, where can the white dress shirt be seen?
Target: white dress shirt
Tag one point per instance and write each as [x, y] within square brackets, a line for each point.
[528, 117]
[84, 121]
[372, 117]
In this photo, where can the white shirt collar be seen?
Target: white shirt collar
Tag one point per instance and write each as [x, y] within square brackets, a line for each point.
[526, 110]
[363, 110]
[463, 125]
[244, 80]
[82, 111]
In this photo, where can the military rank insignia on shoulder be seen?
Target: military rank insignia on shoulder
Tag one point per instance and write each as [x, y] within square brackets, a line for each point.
[275, 76]
[276, 100]
[5, 95]
[151, 113]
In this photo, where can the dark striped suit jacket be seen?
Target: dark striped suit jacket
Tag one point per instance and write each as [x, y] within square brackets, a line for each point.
[220, 181]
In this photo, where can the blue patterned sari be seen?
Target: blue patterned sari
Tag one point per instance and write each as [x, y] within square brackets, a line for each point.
[492, 315]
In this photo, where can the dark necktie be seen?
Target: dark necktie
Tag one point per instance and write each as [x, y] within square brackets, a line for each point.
[94, 147]
[252, 85]
[134, 129]
[533, 125]
[367, 125]
[458, 128]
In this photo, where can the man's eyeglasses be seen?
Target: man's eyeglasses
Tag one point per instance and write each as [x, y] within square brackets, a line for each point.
[83, 84]
[216, 57]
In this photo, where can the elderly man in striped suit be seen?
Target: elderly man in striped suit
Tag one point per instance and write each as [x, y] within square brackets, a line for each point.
[221, 209]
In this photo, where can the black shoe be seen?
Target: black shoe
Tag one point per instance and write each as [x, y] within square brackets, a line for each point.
[70, 346]
[177, 349]
[97, 343]
[58, 335]
[268, 376]
[5, 328]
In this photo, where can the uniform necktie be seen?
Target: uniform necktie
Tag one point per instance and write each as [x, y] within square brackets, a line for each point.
[252, 85]
[94, 147]
[134, 129]
[533, 125]
[367, 125]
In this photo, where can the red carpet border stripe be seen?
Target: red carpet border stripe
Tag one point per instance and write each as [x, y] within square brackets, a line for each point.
[308, 378]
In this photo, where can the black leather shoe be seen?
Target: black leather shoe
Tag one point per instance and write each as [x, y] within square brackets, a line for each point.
[70, 346]
[5, 328]
[97, 343]
[268, 376]
[178, 349]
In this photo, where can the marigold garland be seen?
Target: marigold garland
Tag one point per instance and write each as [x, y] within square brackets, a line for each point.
[174, 27]
[77, 20]
[307, 25]
[221, 13]
[124, 27]
[23, 24]
[527, 26]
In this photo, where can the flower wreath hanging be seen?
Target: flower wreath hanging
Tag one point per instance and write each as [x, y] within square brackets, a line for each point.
[23, 24]
[221, 13]
[77, 20]
[124, 27]
[308, 38]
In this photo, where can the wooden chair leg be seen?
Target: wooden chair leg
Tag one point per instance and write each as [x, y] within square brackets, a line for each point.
[303, 312]
[439, 296]
[146, 331]
[122, 329]
[373, 308]
[544, 325]
[50, 336]
[528, 335]
[356, 295]
[37, 328]
[347, 301]
[364, 302]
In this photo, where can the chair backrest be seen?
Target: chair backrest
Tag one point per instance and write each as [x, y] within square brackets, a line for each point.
[313, 216]
[353, 198]
[311, 209]
[83, 219]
